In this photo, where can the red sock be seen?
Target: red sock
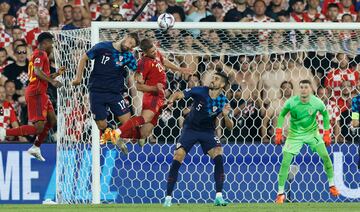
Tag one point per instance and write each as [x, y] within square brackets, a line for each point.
[127, 127]
[21, 131]
[42, 136]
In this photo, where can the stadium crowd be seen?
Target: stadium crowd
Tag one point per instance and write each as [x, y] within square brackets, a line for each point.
[260, 83]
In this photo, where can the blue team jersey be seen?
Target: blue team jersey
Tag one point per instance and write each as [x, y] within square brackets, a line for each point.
[109, 72]
[355, 106]
[204, 109]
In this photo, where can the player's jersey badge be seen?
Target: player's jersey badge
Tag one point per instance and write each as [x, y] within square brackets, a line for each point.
[214, 109]
[121, 58]
[310, 111]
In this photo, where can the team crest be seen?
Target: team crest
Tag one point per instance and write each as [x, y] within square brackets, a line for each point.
[310, 111]
[121, 58]
[214, 109]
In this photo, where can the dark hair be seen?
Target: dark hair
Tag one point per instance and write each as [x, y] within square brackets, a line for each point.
[45, 36]
[195, 75]
[333, 5]
[8, 81]
[156, 1]
[16, 27]
[135, 36]
[146, 44]
[2, 49]
[347, 14]
[224, 77]
[287, 82]
[178, 10]
[103, 4]
[296, 1]
[305, 82]
[68, 5]
[256, 1]
[7, 14]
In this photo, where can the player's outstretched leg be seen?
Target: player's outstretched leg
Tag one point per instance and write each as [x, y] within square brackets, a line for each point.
[216, 155]
[283, 175]
[324, 155]
[173, 174]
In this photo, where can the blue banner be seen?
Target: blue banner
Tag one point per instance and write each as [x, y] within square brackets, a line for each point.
[250, 169]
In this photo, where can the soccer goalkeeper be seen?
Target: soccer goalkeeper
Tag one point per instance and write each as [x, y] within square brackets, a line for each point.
[304, 130]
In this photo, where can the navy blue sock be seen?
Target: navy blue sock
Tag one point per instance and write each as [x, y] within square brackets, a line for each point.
[172, 178]
[219, 173]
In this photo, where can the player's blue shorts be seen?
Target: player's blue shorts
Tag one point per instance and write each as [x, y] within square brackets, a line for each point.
[189, 138]
[101, 102]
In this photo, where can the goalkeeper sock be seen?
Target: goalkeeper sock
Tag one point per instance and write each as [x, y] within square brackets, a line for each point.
[42, 136]
[284, 171]
[324, 155]
[172, 178]
[21, 131]
[132, 123]
[219, 173]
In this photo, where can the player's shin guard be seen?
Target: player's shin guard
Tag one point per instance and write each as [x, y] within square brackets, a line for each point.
[42, 136]
[219, 173]
[324, 155]
[172, 178]
[284, 171]
[21, 131]
[132, 123]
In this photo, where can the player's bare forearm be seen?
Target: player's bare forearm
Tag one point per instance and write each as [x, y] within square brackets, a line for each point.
[58, 73]
[145, 88]
[170, 65]
[176, 96]
[355, 123]
[80, 70]
[229, 124]
[39, 73]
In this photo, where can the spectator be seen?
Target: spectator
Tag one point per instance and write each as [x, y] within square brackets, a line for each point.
[76, 20]
[347, 7]
[17, 102]
[337, 76]
[314, 10]
[283, 16]
[347, 18]
[17, 72]
[105, 12]
[68, 14]
[161, 7]
[275, 9]
[5, 6]
[31, 36]
[200, 13]
[6, 35]
[4, 60]
[8, 117]
[332, 14]
[177, 11]
[240, 11]
[259, 9]
[217, 13]
[17, 34]
[29, 20]
[121, 7]
[298, 14]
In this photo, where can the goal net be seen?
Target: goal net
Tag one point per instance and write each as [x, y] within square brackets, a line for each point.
[265, 63]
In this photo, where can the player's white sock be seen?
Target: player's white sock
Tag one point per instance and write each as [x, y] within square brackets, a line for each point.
[168, 198]
[218, 195]
[331, 182]
[281, 190]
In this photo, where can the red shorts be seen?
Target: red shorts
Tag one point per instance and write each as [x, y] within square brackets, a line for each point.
[38, 107]
[155, 104]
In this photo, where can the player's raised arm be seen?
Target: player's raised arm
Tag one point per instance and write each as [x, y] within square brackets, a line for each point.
[80, 70]
[40, 73]
[280, 123]
[229, 124]
[174, 97]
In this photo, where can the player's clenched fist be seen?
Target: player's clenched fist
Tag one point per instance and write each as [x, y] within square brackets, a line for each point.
[278, 136]
[76, 82]
[226, 110]
[56, 84]
[327, 138]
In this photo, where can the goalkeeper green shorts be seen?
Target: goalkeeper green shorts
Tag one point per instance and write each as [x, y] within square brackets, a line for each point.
[293, 145]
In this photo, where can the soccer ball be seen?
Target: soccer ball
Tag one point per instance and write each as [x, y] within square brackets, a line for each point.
[166, 21]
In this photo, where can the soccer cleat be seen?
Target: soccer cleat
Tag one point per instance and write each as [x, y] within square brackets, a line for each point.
[280, 199]
[35, 151]
[2, 134]
[334, 192]
[219, 201]
[167, 202]
[141, 142]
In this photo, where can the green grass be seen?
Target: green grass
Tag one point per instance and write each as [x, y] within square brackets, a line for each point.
[289, 207]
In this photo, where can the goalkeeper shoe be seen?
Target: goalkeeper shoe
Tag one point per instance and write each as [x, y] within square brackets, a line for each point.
[280, 199]
[167, 202]
[219, 201]
[35, 151]
[334, 192]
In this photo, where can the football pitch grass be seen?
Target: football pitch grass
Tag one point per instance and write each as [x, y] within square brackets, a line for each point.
[248, 207]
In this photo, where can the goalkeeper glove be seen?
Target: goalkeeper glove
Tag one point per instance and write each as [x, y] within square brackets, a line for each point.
[327, 138]
[278, 136]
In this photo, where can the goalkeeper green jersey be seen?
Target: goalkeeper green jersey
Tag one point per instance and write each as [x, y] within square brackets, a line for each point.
[303, 116]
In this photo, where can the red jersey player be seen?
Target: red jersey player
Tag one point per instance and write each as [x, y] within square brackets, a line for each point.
[40, 109]
[150, 79]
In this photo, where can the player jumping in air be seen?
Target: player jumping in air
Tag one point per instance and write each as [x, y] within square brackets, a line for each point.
[40, 109]
[209, 103]
[107, 79]
[304, 130]
[355, 110]
[150, 79]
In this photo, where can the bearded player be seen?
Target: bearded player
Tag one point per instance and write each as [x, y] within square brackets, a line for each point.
[199, 126]
[40, 110]
[304, 130]
[150, 79]
[107, 79]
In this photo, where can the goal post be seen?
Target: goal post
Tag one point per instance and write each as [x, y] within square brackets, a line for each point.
[88, 172]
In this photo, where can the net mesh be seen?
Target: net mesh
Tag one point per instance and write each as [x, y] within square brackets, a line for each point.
[265, 67]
